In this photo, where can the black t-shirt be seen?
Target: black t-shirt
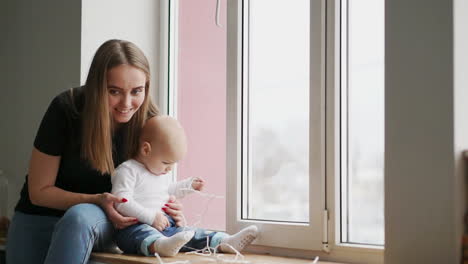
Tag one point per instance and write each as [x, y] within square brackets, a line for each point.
[60, 135]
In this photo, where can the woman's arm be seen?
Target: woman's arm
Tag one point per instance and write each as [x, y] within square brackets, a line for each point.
[43, 171]
[42, 174]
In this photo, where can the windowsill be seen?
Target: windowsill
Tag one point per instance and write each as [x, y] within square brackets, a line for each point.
[109, 258]
[252, 258]
[360, 248]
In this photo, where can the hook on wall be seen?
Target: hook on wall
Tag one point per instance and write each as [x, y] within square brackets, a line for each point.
[218, 7]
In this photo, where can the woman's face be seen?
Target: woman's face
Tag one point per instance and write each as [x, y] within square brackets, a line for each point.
[126, 91]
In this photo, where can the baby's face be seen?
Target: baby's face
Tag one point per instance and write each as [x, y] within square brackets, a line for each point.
[160, 163]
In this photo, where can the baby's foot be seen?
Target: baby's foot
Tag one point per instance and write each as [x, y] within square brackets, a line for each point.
[239, 240]
[170, 246]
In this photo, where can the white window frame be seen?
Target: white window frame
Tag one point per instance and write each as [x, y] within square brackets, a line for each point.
[168, 71]
[168, 74]
[299, 236]
[330, 62]
[336, 101]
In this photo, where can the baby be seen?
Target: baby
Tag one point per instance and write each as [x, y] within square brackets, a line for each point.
[144, 183]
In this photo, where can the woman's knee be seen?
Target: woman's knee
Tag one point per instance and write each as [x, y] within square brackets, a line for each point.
[83, 216]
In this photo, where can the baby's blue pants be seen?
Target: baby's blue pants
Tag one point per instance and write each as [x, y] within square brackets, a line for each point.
[135, 239]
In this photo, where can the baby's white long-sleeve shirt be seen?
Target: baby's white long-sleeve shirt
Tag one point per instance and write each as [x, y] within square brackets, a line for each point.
[145, 192]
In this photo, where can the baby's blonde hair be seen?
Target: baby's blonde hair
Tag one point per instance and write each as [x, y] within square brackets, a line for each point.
[166, 134]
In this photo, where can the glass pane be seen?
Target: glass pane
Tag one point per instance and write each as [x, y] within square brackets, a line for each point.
[277, 104]
[365, 127]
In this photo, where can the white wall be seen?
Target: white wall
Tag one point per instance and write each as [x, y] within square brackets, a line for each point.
[425, 131]
[40, 57]
[136, 21]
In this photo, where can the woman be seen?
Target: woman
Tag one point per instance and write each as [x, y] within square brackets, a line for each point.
[65, 210]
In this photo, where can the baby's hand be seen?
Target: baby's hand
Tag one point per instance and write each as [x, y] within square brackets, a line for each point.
[198, 183]
[160, 222]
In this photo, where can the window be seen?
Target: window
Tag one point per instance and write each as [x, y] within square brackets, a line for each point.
[275, 108]
[362, 121]
[305, 122]
[276, 122]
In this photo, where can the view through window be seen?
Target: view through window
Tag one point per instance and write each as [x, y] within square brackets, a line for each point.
[276, 116]
[362, 87]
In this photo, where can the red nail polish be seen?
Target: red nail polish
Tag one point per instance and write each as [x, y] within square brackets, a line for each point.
[124, 200]
[166, 204]
[135, 220]
[164, 208]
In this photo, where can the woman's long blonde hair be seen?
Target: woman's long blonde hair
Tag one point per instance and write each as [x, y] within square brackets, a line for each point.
[98, 124]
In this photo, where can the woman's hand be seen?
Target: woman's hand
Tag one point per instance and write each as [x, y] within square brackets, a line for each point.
[106, 201]
[174, 209]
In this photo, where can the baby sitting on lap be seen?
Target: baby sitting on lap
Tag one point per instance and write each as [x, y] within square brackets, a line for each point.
[144, 183]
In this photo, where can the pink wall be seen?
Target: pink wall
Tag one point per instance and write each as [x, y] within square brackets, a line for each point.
[202, 105]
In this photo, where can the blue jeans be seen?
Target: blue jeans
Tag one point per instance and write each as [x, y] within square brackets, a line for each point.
[67, 239]
[135, 239]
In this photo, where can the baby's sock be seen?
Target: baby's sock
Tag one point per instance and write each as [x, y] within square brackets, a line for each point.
[239, 240]
[170, 246]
